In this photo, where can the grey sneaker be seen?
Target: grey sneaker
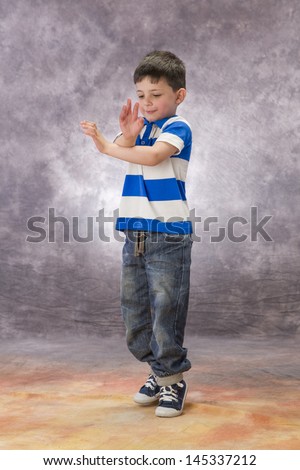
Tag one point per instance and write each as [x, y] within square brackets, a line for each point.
[171, 400]
[149, 392]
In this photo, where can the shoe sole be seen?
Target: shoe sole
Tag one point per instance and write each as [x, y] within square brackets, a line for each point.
[162, 412]
[143, 400]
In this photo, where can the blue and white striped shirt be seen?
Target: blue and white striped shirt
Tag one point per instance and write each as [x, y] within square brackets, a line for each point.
[154, 197]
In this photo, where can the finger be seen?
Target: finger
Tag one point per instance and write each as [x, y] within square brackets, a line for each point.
[141, 122]
[135, 111]
[123, 113]
[91, 126]
[85, 127]
[89, 133]
[89, 129]
[129, 110]
[88, 124]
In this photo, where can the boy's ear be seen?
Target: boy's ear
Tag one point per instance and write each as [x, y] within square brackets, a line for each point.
[181, 94]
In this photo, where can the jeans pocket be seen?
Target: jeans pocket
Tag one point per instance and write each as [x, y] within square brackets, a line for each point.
[174, 238]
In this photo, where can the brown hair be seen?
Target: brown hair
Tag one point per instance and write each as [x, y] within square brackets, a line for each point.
[161, 64]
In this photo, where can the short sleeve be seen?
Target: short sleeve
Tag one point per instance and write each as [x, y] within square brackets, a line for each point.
[176, 133]
[117, 136]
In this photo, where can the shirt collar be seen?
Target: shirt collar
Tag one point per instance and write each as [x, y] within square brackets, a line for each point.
[159, 122]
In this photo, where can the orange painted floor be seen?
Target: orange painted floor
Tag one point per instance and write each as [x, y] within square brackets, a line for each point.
[77, 394]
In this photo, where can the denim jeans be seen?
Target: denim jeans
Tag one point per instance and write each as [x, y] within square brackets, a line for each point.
[154, 300]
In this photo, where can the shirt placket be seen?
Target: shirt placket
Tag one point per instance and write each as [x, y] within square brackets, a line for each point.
[146, 135]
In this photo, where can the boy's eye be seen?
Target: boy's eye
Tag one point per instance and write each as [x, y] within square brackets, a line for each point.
[156, 95]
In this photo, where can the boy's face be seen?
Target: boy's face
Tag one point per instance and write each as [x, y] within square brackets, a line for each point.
[158, 100]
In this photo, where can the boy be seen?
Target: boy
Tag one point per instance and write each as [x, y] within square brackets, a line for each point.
[154, 216]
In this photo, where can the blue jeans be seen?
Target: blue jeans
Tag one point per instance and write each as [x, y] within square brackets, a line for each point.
[154, 300]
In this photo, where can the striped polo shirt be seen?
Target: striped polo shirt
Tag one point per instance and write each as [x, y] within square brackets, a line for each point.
[153, 197]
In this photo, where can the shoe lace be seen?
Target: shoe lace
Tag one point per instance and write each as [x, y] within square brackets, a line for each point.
[151, 382]
[169, 393]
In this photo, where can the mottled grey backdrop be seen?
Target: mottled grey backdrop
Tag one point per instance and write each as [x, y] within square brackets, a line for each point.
[66, 60]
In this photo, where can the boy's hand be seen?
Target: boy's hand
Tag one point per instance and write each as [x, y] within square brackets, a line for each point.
[130, 124]
[90, 128]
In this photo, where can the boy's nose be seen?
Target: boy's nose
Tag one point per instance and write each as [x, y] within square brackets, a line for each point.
[148, 101]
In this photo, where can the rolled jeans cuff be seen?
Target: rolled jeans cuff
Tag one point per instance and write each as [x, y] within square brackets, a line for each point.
[169, 380]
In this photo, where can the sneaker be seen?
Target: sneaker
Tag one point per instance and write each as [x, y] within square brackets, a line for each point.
[149, 393]
[171, 400]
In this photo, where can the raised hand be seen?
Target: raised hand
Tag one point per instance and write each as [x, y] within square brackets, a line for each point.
[90, 128]
[130, 123]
